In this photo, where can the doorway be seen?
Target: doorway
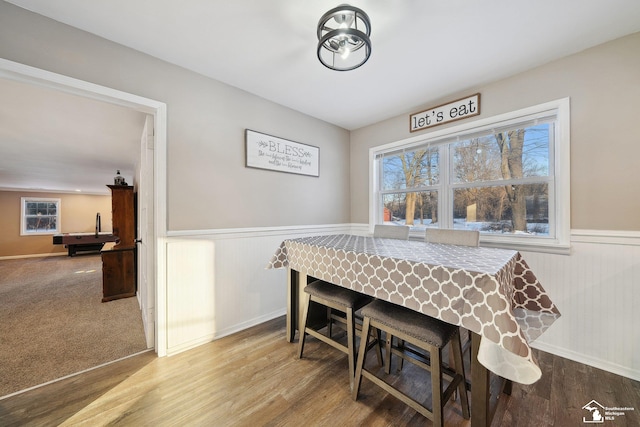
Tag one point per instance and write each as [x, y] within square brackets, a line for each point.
[151, 292]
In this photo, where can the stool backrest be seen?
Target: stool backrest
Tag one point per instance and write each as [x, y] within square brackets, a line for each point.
[391, 231]
[452, 237]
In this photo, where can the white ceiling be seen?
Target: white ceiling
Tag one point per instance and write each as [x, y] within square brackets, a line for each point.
[50, 140]
[423, 50]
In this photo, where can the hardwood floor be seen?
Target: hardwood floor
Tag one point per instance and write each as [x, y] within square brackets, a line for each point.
[252, 378]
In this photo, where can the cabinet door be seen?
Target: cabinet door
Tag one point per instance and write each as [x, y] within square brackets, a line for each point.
[118, 274]
[123, 214]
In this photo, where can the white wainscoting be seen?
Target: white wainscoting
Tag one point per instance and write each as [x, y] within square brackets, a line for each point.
[597, 290]
[218, 284]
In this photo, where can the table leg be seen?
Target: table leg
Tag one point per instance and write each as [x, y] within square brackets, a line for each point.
[296, 281]
[292, 304]
[479, 387]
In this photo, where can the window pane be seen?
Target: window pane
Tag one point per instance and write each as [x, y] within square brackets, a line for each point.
[37, 224]
[412, 169]
[421, 207]
[503, 209]
[42, 208]
[513, 154]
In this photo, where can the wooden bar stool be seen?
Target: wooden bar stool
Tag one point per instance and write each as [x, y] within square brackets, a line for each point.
[343, 300]
[426, 334]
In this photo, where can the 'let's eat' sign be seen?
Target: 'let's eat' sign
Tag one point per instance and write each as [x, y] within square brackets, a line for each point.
[455, 110]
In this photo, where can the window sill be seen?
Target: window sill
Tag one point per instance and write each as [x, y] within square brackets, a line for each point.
[521, 245]
[548, 248]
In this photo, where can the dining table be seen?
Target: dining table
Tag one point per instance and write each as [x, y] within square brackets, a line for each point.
[491, 292]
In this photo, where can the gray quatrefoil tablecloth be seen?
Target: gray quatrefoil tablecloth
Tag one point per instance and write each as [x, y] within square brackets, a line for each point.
[489, 291]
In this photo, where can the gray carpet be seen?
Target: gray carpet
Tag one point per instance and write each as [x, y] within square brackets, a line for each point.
[53, 323]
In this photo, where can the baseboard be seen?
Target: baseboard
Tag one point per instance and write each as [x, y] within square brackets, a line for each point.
[172, 351]
[624, 371]
[248, 324]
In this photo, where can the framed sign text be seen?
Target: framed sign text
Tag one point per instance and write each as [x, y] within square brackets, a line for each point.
[455, 110]
[277, 154]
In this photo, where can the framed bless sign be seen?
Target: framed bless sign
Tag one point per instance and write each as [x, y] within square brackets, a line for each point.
[277, 154]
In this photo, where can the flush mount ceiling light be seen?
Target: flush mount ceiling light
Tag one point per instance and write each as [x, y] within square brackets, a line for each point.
[343, 38]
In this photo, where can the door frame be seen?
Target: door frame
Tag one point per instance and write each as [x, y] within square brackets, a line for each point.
[30, 75]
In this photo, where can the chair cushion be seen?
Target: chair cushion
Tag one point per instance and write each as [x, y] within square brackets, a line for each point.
[337, 294]
[412, 323]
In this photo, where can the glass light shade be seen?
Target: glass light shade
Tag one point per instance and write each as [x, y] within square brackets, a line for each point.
[343, 38]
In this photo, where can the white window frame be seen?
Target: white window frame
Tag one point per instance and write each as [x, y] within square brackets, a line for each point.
[23, 222]
[560, 190]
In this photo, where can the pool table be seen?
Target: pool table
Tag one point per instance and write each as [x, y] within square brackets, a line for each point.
[83, 241]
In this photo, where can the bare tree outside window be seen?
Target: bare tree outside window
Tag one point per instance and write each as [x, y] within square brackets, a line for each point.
[513, 156]
[497, 181]
[511, 144]
[411, 172]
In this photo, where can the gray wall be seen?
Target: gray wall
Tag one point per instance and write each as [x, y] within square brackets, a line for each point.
[209, 186]
[604, 86]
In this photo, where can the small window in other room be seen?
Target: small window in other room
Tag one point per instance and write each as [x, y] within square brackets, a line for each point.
[39, 216]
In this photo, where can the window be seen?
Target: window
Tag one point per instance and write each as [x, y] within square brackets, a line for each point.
[506, 176]
[40, 216]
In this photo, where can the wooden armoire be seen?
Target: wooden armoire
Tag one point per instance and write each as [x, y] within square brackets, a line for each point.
[119, 269]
